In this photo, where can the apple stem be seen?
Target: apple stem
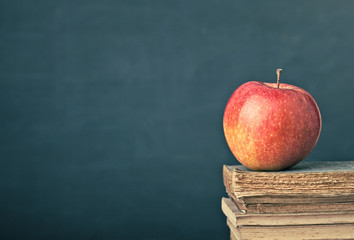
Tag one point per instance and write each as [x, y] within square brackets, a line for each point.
[278, 76]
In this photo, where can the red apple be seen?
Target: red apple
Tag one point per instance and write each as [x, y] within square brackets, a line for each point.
[271, 126]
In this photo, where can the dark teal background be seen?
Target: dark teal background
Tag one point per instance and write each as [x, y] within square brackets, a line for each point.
[111, 111]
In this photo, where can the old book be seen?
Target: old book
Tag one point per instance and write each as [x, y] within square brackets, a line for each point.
[237, 218]
[307, 187]
[310, 179]
[233, 237]
[309, 207]
[295, 199]
[289, 232]
[307, 182]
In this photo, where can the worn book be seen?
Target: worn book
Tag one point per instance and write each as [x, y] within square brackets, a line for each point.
[238, 218]
[306, 187]
[299, 232]
[232, 236]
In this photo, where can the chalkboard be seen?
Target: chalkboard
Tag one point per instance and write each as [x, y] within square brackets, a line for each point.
[111, 111]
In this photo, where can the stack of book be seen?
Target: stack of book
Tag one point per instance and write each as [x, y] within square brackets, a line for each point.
[312, 200]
